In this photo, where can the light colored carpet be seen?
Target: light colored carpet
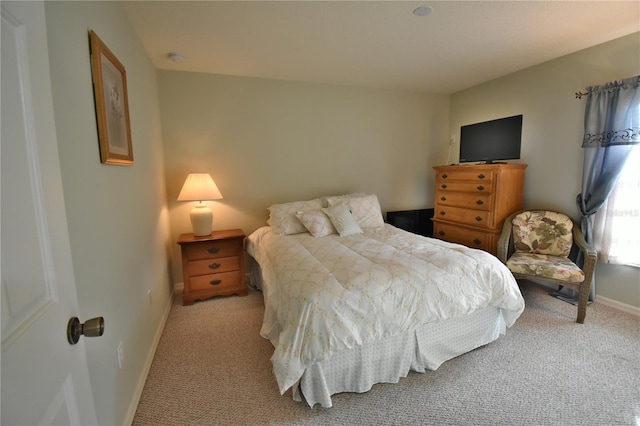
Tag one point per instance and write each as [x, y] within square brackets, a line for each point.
[212, 368]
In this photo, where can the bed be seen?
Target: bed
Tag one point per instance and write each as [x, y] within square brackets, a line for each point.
[351, 301]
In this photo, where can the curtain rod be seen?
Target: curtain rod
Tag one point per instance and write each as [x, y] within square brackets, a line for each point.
[579, 95]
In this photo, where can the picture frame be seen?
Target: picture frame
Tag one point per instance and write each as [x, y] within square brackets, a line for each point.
[111, 104]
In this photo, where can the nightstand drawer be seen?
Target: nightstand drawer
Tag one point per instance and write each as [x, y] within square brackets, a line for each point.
[215, 281]
[213, 250]
[213, 266]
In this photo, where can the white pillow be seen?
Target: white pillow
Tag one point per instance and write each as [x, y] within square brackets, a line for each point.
[282, 217]
[342, 220]
[317, 223]
[336, 198]
[365, 209]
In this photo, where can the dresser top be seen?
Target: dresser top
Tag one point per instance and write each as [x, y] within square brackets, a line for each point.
[224, 234]
[492, 166]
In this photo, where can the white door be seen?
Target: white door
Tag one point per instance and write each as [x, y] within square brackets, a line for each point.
[45, 380]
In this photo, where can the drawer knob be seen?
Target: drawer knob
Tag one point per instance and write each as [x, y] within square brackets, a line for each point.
[480, 187]
[214, 266]
[443, 198]
[215, 282]
[479, 202]
[442, 213]
[477, 241]
[444, 176]
[481, 176]
[441, 233]
[443, 186]
[213, 250]
[478, 219]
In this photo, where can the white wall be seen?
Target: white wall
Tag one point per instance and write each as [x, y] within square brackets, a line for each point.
[117, 216]
[266, 141]
[553, 130]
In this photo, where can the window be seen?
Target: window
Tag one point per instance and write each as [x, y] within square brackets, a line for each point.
[617, 224]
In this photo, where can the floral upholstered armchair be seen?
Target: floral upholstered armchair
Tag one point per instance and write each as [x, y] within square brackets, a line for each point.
[536, 244]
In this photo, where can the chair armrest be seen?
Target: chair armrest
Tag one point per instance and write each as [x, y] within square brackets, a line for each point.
[590, 254]
[579, 240]
[502, 251]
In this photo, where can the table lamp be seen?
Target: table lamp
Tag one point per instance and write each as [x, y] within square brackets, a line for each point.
[200, 187]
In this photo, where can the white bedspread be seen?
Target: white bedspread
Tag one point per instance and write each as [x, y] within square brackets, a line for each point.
[332, 293]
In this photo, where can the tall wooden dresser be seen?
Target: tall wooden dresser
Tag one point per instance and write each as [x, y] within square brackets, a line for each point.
[472, 202]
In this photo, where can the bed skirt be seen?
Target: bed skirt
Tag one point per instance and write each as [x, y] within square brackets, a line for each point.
[390, 359]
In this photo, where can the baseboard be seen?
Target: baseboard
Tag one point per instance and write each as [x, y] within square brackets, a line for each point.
[630, 309]
[612, 303]
[131, 412]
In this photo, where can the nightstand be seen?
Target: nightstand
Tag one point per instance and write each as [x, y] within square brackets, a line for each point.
[212, 265]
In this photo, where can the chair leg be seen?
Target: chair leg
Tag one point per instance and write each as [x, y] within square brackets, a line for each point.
[583, 299]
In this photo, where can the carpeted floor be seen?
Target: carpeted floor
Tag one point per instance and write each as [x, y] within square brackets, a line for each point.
[212, 368]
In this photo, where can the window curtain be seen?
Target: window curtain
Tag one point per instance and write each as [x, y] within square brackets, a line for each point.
[616, 228]
[611, 128]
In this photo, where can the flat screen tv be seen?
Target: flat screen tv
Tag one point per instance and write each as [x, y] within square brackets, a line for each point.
[491, 141]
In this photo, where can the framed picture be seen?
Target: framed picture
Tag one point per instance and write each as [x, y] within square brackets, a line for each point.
[112, 105]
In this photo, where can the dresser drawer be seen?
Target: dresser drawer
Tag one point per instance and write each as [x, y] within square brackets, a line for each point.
[219, 282]
[480, 201]
[479, 218]
[469, 187]
[213, 266]
[468, 237]
[466, 175]
[213, 250]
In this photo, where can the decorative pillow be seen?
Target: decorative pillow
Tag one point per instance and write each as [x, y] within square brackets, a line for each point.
[282, 217]
[317, 223]
[542, 232]
[342, 220]
[365, 209]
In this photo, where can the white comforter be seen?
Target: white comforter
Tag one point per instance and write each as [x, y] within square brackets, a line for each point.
[331, 293]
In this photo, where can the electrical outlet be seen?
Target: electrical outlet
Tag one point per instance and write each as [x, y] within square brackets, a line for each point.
[149, 296]
[120, 354]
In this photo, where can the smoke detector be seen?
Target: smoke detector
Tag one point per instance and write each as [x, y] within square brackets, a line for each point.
[176, 57]
[422, 11]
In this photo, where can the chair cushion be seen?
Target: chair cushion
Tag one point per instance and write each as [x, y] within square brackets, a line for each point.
[545, 266]
[542, 232]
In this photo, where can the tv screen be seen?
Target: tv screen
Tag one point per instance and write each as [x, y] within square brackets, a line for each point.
[491, 140]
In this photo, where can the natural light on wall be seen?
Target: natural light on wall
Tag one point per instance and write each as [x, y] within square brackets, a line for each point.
[617, 223]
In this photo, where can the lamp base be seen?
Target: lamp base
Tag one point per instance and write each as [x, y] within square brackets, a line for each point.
[201, 220]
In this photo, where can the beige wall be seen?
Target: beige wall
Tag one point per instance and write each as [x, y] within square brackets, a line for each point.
[117, 216]
[553, 129]
[266, 141]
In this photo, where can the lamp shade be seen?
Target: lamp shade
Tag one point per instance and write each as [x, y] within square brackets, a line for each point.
[199, 187]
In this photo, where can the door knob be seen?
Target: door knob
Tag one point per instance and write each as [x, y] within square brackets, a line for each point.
[92, 328]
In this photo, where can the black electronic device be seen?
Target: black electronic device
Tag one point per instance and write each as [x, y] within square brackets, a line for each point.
[491, 141]
[416, 221]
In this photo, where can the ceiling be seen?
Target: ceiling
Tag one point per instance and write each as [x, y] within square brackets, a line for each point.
[375, 43]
